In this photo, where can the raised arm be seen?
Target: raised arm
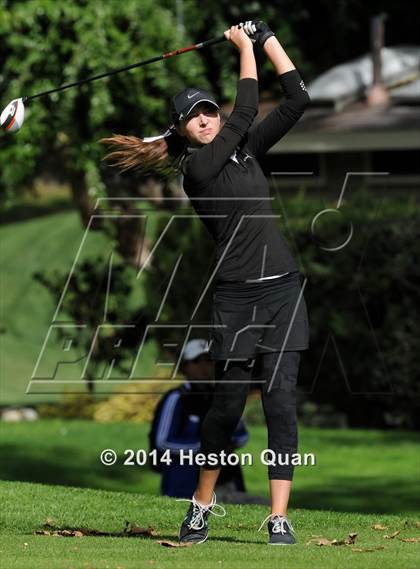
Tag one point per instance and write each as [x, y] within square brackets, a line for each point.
[207, 161]
[278, 57]
[277, 123]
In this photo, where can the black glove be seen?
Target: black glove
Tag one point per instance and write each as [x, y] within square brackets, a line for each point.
[257, 31]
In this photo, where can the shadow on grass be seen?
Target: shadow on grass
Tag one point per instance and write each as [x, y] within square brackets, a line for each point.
[392, 493]
[22, 212]
[50, 467]
[233, 540]
[358, 494]
[363, 438]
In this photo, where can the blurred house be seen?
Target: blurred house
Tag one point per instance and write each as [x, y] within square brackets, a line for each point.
[344, 131]
[364, 117]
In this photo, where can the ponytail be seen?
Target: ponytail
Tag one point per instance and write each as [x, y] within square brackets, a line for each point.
[161, 154]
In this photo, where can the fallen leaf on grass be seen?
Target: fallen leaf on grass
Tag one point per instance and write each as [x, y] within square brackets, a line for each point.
[411, 523]
[130, 530]
[173, 544]
[319, 541]
[379, 527]
[367, 549]
[62, 533]
[351, 539]
[325, 541]
[392, 535]
[410, 539]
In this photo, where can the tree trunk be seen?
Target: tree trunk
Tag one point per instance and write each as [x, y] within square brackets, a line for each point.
[83, 202]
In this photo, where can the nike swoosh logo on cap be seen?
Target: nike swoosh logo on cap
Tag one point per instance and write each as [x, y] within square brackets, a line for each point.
[191, 96]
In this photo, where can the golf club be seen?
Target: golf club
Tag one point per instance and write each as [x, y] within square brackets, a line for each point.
[12, 117]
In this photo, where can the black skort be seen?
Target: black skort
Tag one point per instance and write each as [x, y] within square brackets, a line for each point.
[253, 318]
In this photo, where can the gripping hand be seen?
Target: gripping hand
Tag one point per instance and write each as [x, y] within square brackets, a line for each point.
[258, 31]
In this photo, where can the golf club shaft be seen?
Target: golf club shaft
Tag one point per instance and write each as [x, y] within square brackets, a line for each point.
[128, 67]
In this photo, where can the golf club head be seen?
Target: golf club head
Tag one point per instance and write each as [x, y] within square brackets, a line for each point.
[12, 117]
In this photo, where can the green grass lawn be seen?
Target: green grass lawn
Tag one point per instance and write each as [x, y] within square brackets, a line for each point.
[357, 470]
[51, 468]
[44, 243]
[234, 541]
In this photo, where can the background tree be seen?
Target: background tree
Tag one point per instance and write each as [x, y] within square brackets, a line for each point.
[45, 44]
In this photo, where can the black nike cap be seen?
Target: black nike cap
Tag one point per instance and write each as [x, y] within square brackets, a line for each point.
[184, 102]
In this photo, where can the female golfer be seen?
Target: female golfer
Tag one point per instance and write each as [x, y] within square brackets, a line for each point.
[259, 318]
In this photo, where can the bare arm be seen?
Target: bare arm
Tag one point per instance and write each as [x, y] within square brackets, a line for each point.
[247, 64]
[278, 57]
[277, 123]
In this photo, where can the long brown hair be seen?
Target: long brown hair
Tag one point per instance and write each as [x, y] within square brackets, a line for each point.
[132, 153]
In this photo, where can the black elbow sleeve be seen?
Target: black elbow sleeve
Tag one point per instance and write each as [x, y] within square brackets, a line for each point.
[294, 89]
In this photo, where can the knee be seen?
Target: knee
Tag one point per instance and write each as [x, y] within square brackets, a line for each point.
[280, 372]
[228, 414]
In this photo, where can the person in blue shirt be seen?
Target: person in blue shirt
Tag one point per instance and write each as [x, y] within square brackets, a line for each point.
[177, 424]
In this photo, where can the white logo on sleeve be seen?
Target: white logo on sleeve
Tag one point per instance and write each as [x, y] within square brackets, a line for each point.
[244, 157]
[302, 84]
[233, 157]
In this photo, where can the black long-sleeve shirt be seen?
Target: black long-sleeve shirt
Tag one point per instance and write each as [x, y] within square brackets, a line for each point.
[229, 191]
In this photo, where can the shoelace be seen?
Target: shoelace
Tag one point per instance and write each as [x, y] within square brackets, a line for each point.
[197, 518]
[279, 523]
